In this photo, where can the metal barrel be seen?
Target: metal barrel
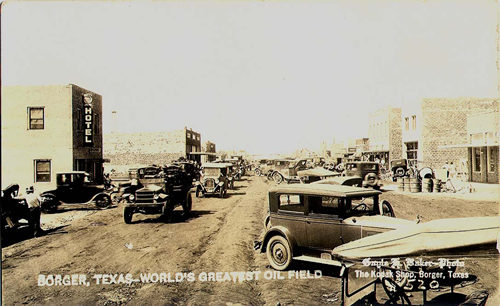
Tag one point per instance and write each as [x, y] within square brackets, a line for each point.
[427, 185]
[401, 184]
[437, 185]
[415, 185]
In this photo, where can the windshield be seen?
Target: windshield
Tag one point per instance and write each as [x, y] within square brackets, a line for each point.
[211, 171]
[373, 167]
[362, 206]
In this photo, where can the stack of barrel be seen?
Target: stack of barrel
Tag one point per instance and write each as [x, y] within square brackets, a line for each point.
[412, 184]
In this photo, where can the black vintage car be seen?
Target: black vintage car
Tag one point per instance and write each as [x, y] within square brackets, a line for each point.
[399, 168]
[161, 191]
[15, 209]
[75, 188]
[306, 221]
[369, 172]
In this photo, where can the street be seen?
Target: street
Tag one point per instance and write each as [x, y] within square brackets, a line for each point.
[217, 237]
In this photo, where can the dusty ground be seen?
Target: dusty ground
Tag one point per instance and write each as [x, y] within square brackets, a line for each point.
[218, 237]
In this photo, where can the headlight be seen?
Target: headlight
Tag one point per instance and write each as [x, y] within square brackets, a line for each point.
[131, 197]
[156, 196]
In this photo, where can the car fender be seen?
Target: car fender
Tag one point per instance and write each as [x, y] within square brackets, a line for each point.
[96, 195]
[281, 231]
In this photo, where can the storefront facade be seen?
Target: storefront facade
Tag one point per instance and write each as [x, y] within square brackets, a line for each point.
[483, 151]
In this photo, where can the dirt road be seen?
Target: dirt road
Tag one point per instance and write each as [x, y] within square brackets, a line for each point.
[218, 237]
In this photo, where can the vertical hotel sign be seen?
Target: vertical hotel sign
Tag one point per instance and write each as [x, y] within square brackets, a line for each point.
[88, 117]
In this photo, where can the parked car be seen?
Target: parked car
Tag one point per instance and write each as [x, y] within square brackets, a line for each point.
[355, 181]
[165, 191]
[286, 170]
[315, 174]
[306, 221]
[264, 167]
[214, 180]
[74, 187]
[15, 209]
[368, 171]
[192, 169]
[399, 167]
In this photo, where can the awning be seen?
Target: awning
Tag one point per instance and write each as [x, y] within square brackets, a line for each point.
[467, 145]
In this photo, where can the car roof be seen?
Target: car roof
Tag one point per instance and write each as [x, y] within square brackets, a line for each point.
[215, 165]
[362, 162]
[325, 190]
[73, 172]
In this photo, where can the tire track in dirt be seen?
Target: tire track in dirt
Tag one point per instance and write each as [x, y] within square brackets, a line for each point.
[231, 249]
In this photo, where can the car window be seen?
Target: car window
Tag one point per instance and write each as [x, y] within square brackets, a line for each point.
[370, 167]
[362, 206]
[291, 202]
[351, 166]
[211, 171]
[325, 205]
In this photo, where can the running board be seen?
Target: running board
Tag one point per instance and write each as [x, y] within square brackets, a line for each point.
[330, 262]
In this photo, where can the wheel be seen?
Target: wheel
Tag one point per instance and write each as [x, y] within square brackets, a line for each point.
[400, 171]
[279, 253]
[128, 212]
[277, 177]
[258, 172]
[187, 205]
[102, 201]
[394, 292]
[387, 209]
[270, 175]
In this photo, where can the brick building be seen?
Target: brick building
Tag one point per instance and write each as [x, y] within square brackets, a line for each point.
[431, 130]
[150, 147]
[50, 129]
[384, 132]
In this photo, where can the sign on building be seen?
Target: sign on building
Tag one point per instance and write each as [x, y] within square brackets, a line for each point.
[88, 116]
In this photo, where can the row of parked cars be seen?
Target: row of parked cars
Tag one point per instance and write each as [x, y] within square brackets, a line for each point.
[356, 173]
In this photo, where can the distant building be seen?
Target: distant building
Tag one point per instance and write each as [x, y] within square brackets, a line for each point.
[50, 129]
[150, 147]
[210, 147]
[384, 132]
[431, 130]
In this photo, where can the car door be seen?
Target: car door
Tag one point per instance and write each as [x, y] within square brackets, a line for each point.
[291, 215]
[323, 222]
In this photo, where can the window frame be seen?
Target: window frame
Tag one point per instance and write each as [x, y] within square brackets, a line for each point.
[30, 118]
[36, 173]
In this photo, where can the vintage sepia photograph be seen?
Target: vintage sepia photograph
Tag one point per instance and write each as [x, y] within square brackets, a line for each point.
[250, 152]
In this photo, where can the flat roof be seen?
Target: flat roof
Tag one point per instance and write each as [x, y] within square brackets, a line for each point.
[216, 165]
[325, 190]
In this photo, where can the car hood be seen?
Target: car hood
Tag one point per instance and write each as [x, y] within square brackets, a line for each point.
[150, 188]
[435, 236]
[379, 221]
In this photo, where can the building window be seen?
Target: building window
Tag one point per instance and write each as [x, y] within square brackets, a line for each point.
[35, 118]
[414, 122]
[477, 159]
[79, 125]
[407, 123]
[411, 152]
[42, 170]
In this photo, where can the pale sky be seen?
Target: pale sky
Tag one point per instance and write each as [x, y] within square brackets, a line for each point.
[262, 76]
